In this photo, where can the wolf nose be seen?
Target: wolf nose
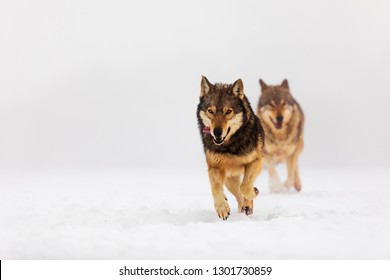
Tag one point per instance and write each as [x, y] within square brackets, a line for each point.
[279, 118]
[217, 132]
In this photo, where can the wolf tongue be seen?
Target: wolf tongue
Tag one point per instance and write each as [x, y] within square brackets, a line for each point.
[206, 130]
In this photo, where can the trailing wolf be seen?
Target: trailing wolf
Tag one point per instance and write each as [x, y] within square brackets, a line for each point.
[282, 119]
[233, 141]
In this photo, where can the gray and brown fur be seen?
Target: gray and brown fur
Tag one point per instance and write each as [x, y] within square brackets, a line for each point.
[233, 140]
[283, 120]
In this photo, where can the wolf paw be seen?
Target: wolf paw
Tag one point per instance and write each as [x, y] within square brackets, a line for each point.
[223, 210]
[248, 207]
[277, 188]
[288, 184]
[247, 210]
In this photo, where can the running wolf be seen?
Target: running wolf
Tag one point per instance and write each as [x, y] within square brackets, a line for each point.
[233, 140]
[282, 119]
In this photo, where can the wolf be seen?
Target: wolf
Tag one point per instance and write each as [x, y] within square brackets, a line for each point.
[233, 141]
[283, 121]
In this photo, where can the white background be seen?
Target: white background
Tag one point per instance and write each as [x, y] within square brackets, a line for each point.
[101, 157]
[116, 83]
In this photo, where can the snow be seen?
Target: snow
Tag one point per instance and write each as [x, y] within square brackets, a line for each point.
[169, 214]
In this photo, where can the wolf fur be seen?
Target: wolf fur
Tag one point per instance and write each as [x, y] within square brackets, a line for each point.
[283, 121]
[233, 141]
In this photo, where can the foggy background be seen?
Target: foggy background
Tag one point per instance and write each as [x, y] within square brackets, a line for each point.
[115, 84]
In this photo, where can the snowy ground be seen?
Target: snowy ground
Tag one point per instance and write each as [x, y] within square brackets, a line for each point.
[163, 215]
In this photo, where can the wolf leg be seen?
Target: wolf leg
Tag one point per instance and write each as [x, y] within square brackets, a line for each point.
[233, 185]
[275, 184]
[291, 166]
[297, 179]
[293, 178]
[292, 169]
[217, 178]
[252, 170]
[248, 204]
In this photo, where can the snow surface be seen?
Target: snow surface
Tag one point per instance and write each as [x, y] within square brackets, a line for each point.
[169, 214]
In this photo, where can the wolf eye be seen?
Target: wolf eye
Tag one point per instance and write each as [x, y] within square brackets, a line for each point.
[210, 111]
[228, 112]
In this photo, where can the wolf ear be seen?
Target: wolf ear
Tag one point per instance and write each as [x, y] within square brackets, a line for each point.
[205, 86]
[285, 84]
[263, 84]
[238, 89]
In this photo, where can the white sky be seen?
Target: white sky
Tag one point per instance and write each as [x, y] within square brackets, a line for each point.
[116, 83]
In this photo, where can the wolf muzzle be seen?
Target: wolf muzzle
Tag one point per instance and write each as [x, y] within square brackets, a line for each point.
[217, 135]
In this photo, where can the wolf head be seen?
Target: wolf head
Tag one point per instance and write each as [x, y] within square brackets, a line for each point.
[221, 111]
[275, 106]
